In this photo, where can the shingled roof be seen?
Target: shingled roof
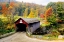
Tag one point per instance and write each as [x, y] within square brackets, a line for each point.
[29, 20]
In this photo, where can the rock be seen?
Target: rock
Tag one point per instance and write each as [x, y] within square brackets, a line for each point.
[60, 37]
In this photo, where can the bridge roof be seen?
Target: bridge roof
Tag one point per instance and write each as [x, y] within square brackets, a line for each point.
[29, 20]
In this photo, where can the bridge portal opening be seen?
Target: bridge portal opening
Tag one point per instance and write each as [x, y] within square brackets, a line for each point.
[20, 27]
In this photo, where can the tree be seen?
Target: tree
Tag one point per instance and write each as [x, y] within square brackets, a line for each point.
[48, 13]
[4, 10]
[11, 4]
[0, 7]
[7, 8]
[36, 13]
[53, 5]
[31, 15]
[42, 16]
[60, 10]
[25, 13]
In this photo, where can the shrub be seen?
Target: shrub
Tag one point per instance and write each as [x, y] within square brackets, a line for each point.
[6, 26]
[55, 32]
[61, 30]
[53, 21]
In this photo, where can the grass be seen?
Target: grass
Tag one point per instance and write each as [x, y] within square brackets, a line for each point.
[43, 37]
[3, 31]
[7, 34]
[49, 37]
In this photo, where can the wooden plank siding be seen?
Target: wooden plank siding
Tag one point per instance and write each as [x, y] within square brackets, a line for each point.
[31, 23]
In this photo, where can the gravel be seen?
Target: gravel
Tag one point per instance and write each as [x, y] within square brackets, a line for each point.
[21, 37]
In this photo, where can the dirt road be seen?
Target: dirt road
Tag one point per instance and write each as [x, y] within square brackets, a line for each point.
[21, 37]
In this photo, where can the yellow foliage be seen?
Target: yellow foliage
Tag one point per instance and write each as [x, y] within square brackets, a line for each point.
[9, 26]
[31, 15]
[25, 13]
[46, 22]
[10, 7]
[4, 14]
[36, 13]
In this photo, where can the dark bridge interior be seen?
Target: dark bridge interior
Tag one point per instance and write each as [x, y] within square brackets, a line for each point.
[21, 27]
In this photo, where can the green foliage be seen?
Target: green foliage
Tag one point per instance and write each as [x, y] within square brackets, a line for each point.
[55, 32]
[7, 5]
[53, 35]
[36, 13]
[60, 10]
[52, 19]
[16, 17]
[1, 23]
[4, 23]
[53, 5]
[43, 25]
[21, 11]
[25, 13]
[61, 30]
[0, 7]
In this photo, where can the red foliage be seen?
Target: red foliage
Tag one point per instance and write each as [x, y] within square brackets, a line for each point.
[4, 9]
[42, 16]
[48, 12]
[12, 4]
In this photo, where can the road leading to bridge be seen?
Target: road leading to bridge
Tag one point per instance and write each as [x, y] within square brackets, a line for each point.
[21, 37]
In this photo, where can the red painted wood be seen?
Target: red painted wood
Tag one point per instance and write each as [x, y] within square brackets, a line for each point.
[18, 21]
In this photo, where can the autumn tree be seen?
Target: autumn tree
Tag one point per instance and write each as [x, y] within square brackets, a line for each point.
[8, 11]
[60, 10]
[46, 16]
[48, 13]
[42, 16]
[25, 13]
[31, 15]
[36, 13]
[0, 8]
[4, 10]
[11, 11]
[53, 5]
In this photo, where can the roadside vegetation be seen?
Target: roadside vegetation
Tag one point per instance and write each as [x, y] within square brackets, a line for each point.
[51, 17]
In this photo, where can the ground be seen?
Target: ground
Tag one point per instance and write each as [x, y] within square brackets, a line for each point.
[21, 37]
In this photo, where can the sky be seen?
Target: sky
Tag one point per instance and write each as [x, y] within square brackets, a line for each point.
[40, 2]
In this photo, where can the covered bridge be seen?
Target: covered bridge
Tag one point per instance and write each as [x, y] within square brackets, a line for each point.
[29, 24]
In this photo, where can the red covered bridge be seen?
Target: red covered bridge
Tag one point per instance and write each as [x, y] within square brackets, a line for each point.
[29, 24]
